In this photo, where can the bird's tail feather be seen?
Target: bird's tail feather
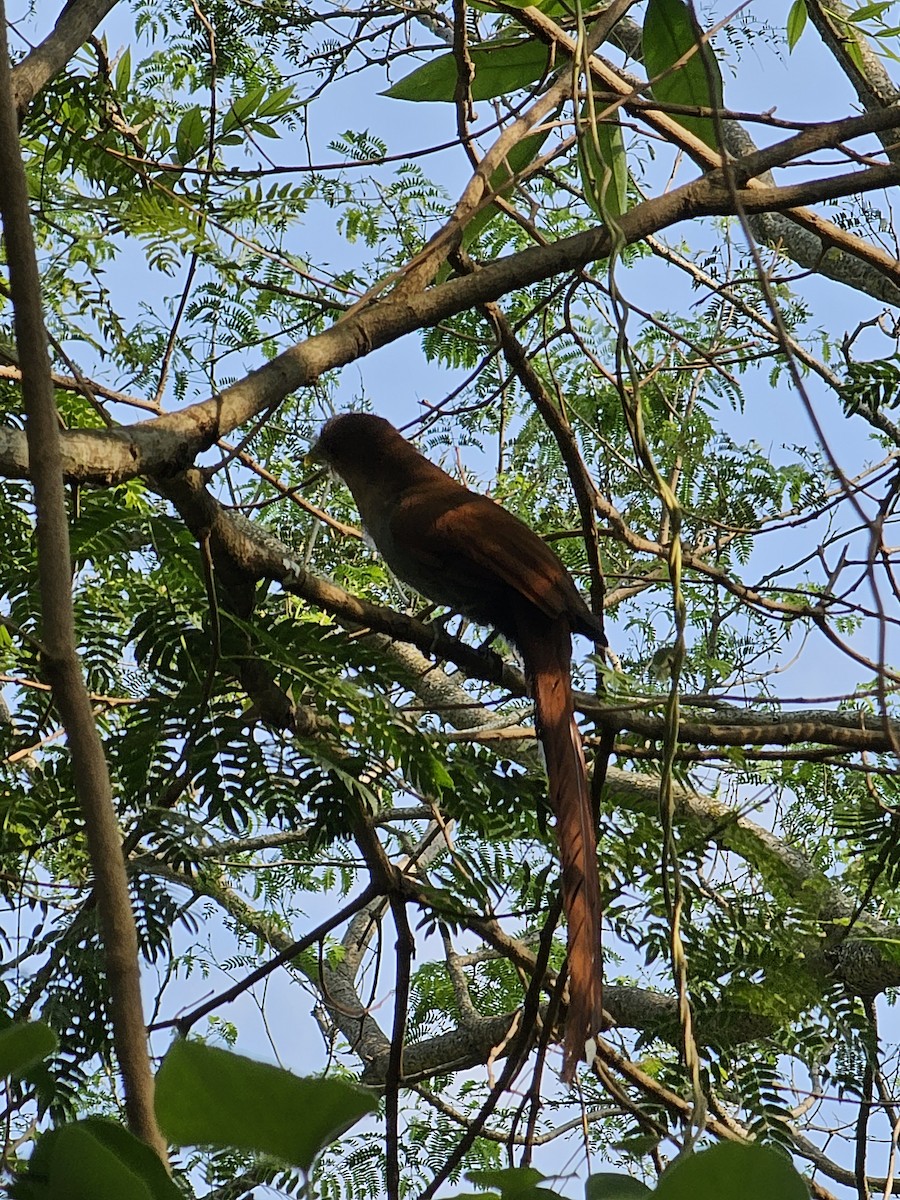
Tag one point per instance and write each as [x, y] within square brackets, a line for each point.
[548, 656]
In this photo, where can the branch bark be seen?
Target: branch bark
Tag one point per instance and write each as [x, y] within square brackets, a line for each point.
[800, 245]
[168, 444]
[856, 956]
[75, 24]
[59, 657]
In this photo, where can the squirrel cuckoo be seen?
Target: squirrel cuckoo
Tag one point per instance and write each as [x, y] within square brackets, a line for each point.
[462, 550]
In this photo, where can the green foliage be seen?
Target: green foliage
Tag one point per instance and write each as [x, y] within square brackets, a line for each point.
[203, 1095]
[604, 1185]
[744, 1172]
[796, 22]
[602, 163]
[500, 67]
[520, 157]
[869, 815]
[871, 385]
[23, 1045]
[94, 1160]
[206, 1095]
[669, 35]
[511, 1183]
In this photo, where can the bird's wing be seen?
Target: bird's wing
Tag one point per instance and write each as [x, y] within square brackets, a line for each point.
[468, 535]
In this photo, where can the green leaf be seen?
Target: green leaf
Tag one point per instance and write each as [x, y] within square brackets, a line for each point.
[637, 1145]
[868, 11]
[738, 1172]
[123, 71]
[796, 22]
[603, 165]
[191, 134]
[279, 102]
[512, 1183]
[500, 67]
[669, 33]
[606, 1185]
[502, 183]
[242, 109]
[95, 1159]
[205, 1095]
[23, 1045]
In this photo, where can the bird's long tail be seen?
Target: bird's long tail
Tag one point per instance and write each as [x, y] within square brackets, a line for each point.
[547, 652]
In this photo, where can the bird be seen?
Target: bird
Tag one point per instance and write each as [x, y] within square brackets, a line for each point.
[462, 550]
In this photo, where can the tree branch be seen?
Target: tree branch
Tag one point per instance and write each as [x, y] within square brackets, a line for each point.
[60, 660]
[76, 22]
[170, 443]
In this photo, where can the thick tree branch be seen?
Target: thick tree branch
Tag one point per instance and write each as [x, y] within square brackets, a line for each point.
[59, 659]
[855, 957]
[801, 246]
[170, 443]
[873, 86]
[855, 731]
[76, 23]
[249, 553]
